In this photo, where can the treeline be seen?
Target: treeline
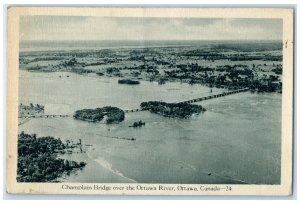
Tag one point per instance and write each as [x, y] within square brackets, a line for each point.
[128, 81]
[114, 114]
[277, 70]
[174, 110]
[269, 83]
[30, 109]
[231, 77]
[258, 46]
[31, 106]
[38, 161]
[215, 55]
[37, 59]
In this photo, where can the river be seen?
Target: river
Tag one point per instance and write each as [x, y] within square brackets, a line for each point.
[237, 140]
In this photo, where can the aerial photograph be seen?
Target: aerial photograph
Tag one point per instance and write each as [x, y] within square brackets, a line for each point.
[149, 100]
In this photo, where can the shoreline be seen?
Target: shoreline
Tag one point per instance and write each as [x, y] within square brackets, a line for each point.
[236, 67]
[106, 173]
[128, 76]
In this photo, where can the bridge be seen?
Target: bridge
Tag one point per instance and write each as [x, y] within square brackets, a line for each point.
[44, 116]
[218, 95]
[213, 96]
[133, 110]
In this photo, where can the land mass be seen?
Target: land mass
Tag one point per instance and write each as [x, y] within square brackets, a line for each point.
[174, 110]
[30, 110]
[38, 159]
[253, 65]
[113, 114]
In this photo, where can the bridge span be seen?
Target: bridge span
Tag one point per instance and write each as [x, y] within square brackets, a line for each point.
[213, 96]
[203, 98]
[44, 116]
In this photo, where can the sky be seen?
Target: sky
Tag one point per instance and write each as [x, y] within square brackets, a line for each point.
[120, 28]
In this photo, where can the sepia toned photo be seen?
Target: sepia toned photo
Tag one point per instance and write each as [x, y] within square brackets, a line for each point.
[150, 101]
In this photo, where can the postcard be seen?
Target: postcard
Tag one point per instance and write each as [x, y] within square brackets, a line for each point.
[149, 101]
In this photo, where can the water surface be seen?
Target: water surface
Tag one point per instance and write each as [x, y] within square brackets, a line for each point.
[237, 140]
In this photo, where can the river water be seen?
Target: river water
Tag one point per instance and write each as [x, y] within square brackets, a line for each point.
[237, 140]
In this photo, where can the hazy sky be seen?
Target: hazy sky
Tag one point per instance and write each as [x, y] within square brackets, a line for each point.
[114, 28]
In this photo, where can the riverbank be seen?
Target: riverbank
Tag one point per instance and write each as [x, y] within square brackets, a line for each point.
[236, 66]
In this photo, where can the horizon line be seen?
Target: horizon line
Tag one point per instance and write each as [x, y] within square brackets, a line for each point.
[161, 40]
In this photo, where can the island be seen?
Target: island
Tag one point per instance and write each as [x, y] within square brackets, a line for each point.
[38, 159]
[174, 110]
[128, 81]
[137, 124]
[108, 113]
